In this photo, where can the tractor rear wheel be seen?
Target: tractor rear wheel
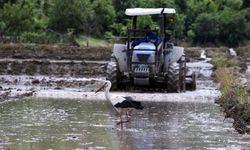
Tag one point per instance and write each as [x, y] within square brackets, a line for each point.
[182, 63]
[173, 77]
[193, 85]
[113, 74]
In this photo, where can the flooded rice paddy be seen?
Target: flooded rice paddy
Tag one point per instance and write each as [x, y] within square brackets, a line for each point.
[78, 119]
[79, 124]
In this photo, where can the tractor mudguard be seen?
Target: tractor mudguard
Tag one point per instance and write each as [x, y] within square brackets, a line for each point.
[172, 56]
[119, 53]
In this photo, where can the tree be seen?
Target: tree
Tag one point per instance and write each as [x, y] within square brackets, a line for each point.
[233, 26]
[2, 2]
[66, 14]
[46, 7]
[195, 8]
[104, 16]
[206, 28]
[182, 5]
[16, 23]
[246, 4]
[179, 25]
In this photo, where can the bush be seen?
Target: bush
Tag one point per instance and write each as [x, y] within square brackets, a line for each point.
[206, 28]
[233, 27]
[37, 37]
[17, 18]
[119, 29]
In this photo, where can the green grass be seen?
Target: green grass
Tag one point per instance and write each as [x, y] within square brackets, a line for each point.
[91, 41]
[235, 99]
[227, 73]
[193, 51]
[243, 50]
[230, 84]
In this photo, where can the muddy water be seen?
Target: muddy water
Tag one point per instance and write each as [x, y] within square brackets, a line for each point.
[78, 124]
[54, 124]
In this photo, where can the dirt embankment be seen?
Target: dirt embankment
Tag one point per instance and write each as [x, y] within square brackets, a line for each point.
[51, 68]
[231, 74]
[48, 61]
[21, 51]
[233, 77]
[20, 59]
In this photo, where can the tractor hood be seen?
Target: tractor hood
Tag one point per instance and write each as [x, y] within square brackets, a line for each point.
[146, 46]
[144, 52]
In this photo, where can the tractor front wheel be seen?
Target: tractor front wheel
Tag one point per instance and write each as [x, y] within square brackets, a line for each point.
[173, 77]
[113, 74]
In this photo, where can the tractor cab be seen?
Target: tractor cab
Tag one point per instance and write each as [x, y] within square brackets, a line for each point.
[145, 54]
[165, 17]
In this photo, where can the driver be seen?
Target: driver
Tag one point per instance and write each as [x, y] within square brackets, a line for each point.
[149, 37]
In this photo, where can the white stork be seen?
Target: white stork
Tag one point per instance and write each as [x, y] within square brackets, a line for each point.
[203, 55]
[121, 104]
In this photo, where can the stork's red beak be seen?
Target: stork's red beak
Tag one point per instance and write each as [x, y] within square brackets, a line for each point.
[98, 90]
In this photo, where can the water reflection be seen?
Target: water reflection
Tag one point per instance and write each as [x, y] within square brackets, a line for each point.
[54, 124]
[70, 124]
[181, 126]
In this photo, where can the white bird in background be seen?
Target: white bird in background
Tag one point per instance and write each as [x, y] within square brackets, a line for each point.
[121, 104]
[232, 52]
[203, 55]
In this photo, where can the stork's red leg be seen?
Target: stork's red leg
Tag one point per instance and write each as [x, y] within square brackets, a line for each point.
[120, 122]
[128, 119]
[123, 121]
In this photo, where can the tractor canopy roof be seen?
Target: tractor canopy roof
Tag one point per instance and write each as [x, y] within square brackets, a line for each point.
[148, 11]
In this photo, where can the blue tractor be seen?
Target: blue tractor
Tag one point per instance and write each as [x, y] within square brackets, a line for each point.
[153, 62]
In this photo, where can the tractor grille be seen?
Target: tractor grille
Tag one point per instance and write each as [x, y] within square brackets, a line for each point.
[142, 70]
[143, 57]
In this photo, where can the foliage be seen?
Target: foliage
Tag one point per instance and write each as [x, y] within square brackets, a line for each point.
[180, 25]
[13, 23]
[2, 2]
[104, 15]
[233, 26]
[227, 73]
[89, 17]
[206, 28]
[234, 99]
[66, 14]
[37, 37]
[224, 22]
[2, 26]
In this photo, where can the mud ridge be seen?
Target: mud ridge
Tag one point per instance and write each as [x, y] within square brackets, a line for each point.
[74, 68]
[36, 51]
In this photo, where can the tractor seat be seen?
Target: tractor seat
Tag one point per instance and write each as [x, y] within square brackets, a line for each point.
[145, 46]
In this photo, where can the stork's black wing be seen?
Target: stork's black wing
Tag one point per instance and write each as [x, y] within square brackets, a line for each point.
[129, 102]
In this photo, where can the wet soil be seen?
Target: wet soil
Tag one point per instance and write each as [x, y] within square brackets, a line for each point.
[63, 80]
[59, 68]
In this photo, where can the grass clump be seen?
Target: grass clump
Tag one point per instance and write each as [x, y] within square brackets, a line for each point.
[91, 41]
[235, 98]
[243, 50]
[230, 85]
